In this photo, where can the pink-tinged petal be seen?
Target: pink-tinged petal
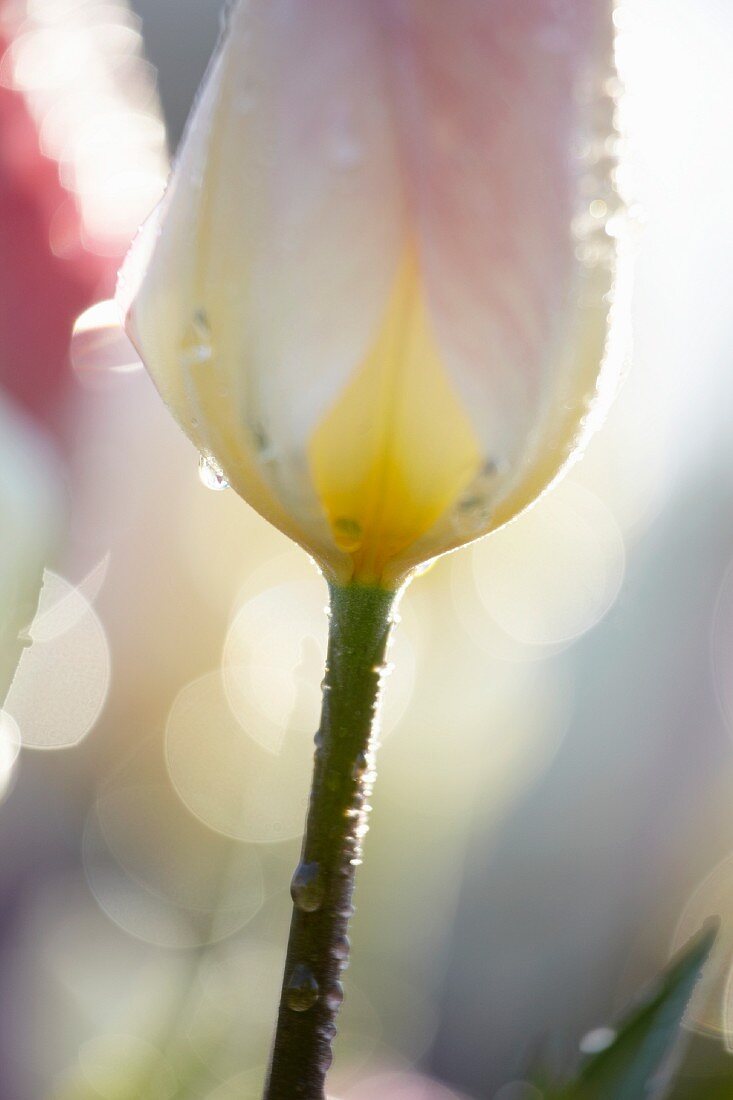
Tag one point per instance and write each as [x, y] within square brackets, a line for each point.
[491, 103]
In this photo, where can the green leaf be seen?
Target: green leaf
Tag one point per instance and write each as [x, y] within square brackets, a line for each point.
[718, 1088]
[636, 1064]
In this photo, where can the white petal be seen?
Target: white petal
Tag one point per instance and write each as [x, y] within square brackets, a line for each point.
[491, 120]
[285, 212]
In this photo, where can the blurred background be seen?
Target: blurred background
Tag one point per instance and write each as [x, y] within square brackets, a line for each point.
[554, 810]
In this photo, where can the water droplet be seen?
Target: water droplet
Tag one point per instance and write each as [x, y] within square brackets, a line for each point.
[196, 346]
[348, 534]
[302, 990]
[25, 639]
[342, 948]
[307, 888]
[211, 476]
[335, 997]
[361, 766]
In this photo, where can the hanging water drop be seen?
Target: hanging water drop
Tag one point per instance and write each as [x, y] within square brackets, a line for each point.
[211, 477]
[302, 990]
[348, 534]
[307, 888]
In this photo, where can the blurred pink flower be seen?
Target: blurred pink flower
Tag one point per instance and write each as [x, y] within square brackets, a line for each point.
[82, 161]
[41, 291]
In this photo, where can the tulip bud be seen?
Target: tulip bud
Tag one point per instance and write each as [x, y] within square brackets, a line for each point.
[376, 294]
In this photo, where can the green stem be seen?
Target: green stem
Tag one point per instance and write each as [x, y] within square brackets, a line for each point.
[360, 623]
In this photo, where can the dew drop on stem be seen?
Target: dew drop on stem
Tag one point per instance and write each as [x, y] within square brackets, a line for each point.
[302, 990]
[307, 888]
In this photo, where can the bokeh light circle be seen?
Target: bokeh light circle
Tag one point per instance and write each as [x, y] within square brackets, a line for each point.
[226, 778]
[274, 658]
[243, 1086]
[161, 876]
[118, 1066]
[551, 575]
[61, 683]
[238, 994]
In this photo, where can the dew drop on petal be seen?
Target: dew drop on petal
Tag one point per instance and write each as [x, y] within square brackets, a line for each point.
[211, 477]
[348, 534]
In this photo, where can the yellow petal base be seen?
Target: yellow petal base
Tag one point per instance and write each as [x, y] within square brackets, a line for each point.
[394, 452]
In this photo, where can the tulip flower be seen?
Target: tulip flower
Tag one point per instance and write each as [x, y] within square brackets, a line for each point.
[375, 297]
